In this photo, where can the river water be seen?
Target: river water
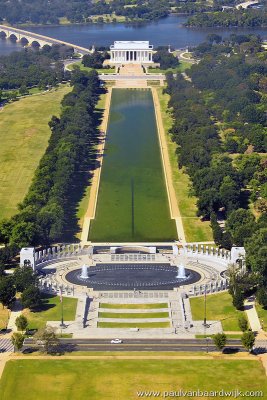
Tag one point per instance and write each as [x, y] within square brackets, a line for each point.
[166, 31]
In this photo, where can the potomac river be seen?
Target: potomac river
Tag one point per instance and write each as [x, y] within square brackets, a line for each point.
[166, 31]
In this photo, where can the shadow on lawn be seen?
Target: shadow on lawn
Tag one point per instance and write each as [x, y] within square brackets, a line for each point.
[45, 305]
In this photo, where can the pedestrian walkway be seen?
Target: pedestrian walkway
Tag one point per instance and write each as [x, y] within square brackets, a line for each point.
[252, 314]
[15, 312]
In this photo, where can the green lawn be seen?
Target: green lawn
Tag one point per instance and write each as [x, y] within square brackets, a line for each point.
[83, 68]
[262, 313]
[133, 315]
[51, 311]
[133, 324]
[195, 229]
[3, 317]
[181, 68]
[122, 379]
[134, 306]
[24, 135]
[219, 308]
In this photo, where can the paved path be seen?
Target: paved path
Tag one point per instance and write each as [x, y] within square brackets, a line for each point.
[252, 314]
[175, 212]
[15, 312]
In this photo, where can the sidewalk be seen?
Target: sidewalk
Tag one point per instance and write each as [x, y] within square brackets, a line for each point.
[252, 315]
[15, 312]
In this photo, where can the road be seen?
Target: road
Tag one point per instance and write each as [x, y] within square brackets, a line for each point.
[156, 345]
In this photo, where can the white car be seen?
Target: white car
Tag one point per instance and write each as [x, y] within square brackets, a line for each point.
[116, 341]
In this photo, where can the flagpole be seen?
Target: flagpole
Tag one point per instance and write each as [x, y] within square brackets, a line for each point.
[62, 325]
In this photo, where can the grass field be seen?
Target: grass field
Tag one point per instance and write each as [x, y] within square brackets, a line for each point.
[219, 308]
[134, 306]
[83, 68]
[24, 135]
[3, 317]
[133, 325]
[195, 229]
[51, 311]
[181, 68]
[133, 315]
[122, 379]
[262, 313]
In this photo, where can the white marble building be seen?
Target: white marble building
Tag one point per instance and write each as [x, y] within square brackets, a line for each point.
[131, 52]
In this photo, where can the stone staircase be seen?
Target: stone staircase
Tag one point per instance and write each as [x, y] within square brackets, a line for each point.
[131, 83]
[131, 70]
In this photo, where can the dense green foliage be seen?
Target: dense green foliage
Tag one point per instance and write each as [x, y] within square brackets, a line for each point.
[31, 297]
[21, 323]
[219, 340]
[165, 59]
[17, 340]
[95, 60]
[220, 129]
[7, 290]
[248, 340]
[29, 68]
[229, 18]
[47, 12]
[48, 210]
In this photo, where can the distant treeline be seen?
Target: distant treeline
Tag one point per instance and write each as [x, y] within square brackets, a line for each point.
[34, 67]
[221, 133]
[229, 18]
[50, 12]
[220, 126]
[48, 212]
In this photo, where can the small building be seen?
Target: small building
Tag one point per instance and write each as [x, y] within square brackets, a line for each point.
[27, 257]
[131, 52]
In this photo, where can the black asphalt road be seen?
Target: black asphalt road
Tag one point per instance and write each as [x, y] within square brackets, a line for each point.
[144, 345]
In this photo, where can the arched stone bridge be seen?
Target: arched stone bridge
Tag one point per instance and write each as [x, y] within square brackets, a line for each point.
[41, 40]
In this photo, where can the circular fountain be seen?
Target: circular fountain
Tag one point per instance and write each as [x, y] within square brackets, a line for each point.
[133, 276]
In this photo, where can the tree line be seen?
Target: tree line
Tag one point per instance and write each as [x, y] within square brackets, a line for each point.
[41, 67]
[48, 211]
[78, 11]
[251, 18]
[221, 135]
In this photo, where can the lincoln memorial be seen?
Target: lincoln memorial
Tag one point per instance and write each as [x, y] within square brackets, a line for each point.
[134, 52]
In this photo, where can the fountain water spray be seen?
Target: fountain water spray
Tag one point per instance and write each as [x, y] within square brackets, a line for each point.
[84, 274]
[181, 272]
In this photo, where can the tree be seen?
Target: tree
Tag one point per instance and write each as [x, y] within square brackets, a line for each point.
[220, 340]
[262, 296]
[21, 323]
[7, 290]
[216, 229]
[248, 340]
[238, 299]
[241, 225]
[243, 323]
[24, 277]
[48, 339]
[17, 340]
[256, 254]
[5, 229]
[31, 297]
